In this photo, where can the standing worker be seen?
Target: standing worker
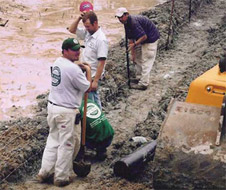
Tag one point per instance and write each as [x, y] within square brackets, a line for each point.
[143, 40]
[68, 86]
[95, 51]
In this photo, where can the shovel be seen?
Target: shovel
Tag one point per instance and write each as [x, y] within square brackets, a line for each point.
[81, 167]
[127, 59]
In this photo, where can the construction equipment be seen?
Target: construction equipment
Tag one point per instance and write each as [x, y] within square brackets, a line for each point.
[206, 98]
[192, 142]
[221, 128]
[208, 89]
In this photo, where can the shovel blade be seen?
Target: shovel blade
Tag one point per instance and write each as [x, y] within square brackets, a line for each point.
[81, 168]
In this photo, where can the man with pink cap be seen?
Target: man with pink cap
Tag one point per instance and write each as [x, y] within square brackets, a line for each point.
[96, 46]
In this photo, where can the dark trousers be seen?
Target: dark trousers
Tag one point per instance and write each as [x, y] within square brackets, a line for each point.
[100, 147]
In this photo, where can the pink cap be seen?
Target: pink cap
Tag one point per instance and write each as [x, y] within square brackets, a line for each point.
[86, 6]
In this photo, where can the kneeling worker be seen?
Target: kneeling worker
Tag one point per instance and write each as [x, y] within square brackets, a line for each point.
[99, 132]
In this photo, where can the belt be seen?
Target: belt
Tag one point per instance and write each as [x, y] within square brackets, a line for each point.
[60, 105]
[53, 103]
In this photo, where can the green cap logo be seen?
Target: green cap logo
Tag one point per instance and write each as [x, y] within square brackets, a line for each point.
[71, 43]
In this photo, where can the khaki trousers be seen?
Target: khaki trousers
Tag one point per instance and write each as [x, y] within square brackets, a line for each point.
[144, 60]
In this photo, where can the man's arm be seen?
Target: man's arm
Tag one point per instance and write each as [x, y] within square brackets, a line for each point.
[74, 25]
[88, 75]
[139, 41]
[99, 71]
[86, 67]
[133, 55]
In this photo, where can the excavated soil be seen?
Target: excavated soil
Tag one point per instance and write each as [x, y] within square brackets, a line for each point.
[194, 48]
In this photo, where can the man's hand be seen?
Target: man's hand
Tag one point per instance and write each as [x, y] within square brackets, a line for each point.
[74, 25]
[87, 64]
[84, 66]
[131, 46]
[94, 86]
[81, 15]
[132, 49]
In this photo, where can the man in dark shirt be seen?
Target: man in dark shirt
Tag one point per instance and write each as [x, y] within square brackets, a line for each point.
[143, 39]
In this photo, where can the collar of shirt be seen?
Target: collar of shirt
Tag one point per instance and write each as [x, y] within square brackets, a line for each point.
[129, 21]
[95, 35]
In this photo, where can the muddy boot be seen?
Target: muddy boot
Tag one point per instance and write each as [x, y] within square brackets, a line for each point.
[134, 80]
[60, 183]
[101, 155]
[138, 87]
[44, 178]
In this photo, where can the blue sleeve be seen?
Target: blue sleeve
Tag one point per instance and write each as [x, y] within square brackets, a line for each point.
[138, 29]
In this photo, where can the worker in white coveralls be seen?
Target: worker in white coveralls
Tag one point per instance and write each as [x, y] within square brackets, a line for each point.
[69, 83]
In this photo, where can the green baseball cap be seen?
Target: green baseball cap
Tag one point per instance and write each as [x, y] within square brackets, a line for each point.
[71, 43]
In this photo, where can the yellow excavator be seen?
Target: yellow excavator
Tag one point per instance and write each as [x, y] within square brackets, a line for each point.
[209, 88]
[191, 146]
[200, 119]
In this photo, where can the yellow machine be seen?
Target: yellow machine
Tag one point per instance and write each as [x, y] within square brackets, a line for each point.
[202, 117]
[192, 138]
[208, 89]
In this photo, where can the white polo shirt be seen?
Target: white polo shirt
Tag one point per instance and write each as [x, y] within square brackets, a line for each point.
[96, 46]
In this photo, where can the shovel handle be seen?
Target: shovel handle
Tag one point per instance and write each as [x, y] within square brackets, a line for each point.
[84, 120]
[127, 58]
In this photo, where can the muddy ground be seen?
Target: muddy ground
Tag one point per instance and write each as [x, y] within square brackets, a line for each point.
[195, 47]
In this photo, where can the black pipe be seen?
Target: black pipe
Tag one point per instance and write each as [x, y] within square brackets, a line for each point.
[132, 164]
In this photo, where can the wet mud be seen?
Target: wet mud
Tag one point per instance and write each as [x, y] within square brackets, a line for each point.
[194, 48]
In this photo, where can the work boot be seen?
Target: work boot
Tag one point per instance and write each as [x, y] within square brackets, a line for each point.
[72, 175]
[44, 178]
[138, 87]
[61, 183]
[134, 80]
[40, 178]
[101, 156]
